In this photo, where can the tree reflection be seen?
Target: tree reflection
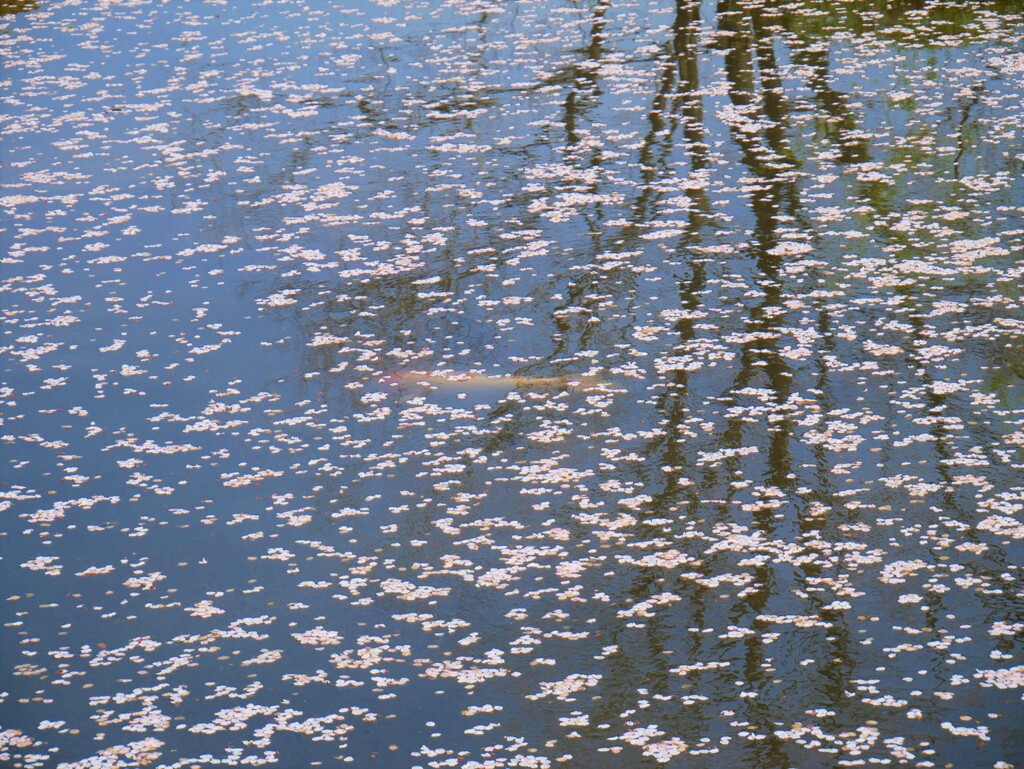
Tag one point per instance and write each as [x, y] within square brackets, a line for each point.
[17, 6]
[790, 493]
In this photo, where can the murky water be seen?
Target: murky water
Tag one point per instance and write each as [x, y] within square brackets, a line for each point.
[523, 384]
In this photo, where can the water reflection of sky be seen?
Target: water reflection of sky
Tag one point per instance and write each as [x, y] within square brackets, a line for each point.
[494, 385]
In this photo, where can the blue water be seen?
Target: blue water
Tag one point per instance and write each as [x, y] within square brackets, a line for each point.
[606, 384]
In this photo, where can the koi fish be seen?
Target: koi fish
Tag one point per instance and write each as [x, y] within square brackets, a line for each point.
[472, 381]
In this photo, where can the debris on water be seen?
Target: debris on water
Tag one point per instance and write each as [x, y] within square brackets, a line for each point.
[457, 383]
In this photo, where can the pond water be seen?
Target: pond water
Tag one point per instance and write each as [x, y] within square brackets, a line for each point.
[456, 383]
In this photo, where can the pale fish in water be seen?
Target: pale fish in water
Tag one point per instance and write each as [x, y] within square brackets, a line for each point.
[472, 381]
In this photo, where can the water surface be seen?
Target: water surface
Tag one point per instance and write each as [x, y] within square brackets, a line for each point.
[469, 384]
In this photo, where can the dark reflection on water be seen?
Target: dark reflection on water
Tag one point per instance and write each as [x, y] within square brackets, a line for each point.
[528, 384]
[17, 6]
